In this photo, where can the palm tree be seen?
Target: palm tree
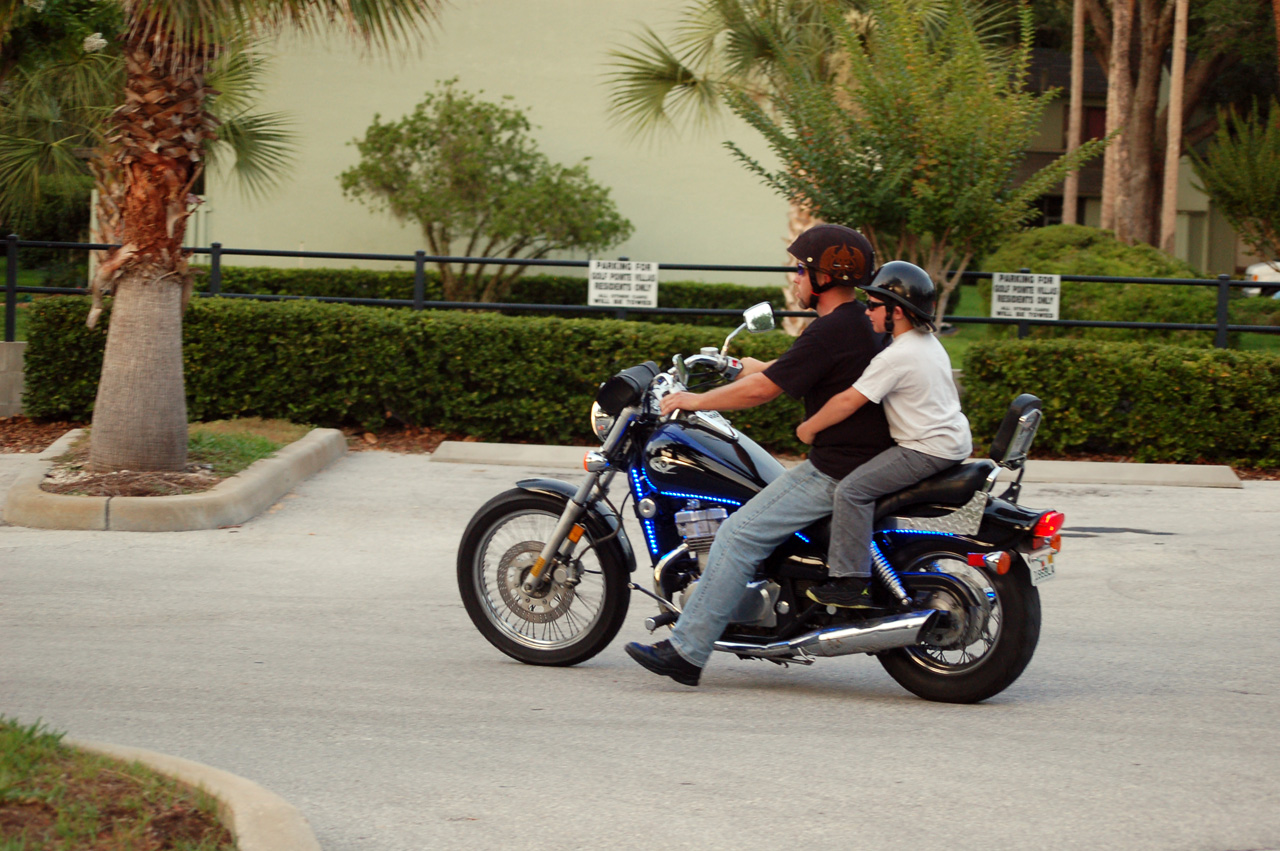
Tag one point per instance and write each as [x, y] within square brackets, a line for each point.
[55, 117]
[158, 138]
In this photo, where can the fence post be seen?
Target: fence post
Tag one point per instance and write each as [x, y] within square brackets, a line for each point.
[1024, 330]
[215, 268]
[419, 278]
[11, 291]
[1224, 294]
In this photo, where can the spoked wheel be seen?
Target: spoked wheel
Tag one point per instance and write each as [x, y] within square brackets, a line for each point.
[986, 641]
[572, 617]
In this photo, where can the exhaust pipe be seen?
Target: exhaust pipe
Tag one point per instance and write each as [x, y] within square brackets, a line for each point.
[871, 636]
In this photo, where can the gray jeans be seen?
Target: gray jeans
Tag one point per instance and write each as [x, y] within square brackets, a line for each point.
[855, 504]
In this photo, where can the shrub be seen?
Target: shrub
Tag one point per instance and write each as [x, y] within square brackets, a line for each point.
[496, 377]
[528, 289]
[1153, 402]
[532, 380]
[1079, 250]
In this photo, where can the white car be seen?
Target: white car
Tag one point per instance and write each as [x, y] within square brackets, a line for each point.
[1264, 273]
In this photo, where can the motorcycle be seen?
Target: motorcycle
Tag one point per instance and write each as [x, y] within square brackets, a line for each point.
[545, 569]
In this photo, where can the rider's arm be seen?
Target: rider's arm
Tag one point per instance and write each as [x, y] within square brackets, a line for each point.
[744, 393]
[750, 366]
[838, 409]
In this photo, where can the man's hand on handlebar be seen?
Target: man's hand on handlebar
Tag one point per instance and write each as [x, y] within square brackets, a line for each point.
[683, 401]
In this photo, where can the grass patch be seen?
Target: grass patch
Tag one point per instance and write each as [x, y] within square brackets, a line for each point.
[228, 446]
[56, 798]
[215, 451]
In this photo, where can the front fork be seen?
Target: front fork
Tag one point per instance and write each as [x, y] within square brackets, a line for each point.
[568, 527]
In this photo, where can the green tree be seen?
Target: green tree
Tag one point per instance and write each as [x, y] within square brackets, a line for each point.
[470, 175]
[752, 48]
[158, 138]
[1231, 60]
[919, 145]
[1240, 171]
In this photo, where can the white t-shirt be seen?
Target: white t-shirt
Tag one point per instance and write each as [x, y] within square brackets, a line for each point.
[912, 380]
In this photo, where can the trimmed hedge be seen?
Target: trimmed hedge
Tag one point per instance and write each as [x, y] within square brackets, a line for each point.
[528, 289]
[496, 377]
[1080, 250]
[517, 379]
[1151, 402]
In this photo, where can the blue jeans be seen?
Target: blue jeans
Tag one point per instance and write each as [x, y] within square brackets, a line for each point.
[791, 502]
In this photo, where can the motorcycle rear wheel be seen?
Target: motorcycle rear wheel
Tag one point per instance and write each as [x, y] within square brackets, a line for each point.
[564, 624]
[993, 659]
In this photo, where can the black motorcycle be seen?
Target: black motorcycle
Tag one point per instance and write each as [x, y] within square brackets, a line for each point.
[545, 569]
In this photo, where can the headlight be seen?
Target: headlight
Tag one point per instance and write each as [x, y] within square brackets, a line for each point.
[601, 423]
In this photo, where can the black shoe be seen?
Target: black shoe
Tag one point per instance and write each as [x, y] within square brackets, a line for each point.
[847, 592]
[662, 659]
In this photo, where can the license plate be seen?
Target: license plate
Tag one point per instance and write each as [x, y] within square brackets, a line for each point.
[1041, 568]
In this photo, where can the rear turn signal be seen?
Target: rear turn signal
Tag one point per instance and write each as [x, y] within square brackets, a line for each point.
[1049, 524]
[998, 561]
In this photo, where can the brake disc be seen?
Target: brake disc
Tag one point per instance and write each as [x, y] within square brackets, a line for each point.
[546, 604]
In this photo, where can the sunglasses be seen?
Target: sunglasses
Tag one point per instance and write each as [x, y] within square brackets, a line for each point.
[874, 305]
[800, 269]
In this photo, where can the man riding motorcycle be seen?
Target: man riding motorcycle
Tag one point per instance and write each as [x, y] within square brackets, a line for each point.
[825, 360]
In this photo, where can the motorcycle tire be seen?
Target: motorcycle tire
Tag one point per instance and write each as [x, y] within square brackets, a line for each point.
[497, 548]
[950, 675]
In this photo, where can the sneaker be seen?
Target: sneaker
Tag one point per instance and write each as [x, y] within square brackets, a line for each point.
[662, 659]
[847, 592]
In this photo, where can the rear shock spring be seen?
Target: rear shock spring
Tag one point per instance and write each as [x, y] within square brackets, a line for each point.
[889, 576]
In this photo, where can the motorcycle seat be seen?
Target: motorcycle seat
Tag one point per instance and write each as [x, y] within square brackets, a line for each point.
[953, 486]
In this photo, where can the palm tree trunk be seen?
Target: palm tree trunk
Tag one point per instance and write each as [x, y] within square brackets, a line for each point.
[140, 417]
[1173, 153]
[1075, 116]
[1115, 173]
[799, 219]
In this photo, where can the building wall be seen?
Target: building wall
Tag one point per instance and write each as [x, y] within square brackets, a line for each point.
[689, 200]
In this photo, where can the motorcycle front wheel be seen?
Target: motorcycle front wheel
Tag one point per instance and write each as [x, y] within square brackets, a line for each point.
[979, 657]
[576, 614]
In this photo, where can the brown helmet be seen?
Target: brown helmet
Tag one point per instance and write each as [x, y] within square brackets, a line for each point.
[840, 252]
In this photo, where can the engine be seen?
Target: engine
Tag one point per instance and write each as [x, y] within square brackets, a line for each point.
[698, 526]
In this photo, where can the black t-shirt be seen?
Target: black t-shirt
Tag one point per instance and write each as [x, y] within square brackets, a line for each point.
[825, 360]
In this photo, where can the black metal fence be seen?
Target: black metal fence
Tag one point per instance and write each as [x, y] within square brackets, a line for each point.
[420, 259]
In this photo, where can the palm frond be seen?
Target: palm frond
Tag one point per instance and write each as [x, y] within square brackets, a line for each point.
[651, 85]
[260, 146]
[27, 165]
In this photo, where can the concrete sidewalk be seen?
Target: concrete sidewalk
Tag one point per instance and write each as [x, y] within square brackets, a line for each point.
[321, 651]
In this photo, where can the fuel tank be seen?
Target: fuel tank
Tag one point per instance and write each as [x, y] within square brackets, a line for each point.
[690, 458]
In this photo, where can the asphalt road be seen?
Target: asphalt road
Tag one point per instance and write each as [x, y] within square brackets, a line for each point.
[321, 650]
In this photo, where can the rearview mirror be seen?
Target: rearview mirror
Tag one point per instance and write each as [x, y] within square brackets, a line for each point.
[759, 317]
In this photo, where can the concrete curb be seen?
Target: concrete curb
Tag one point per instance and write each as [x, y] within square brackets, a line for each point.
[260, 820]
[1059, 472]
[230, 503]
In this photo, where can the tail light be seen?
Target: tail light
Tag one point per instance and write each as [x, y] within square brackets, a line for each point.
[1049, 524]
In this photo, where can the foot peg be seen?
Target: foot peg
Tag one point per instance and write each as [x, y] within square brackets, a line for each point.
[663, 619]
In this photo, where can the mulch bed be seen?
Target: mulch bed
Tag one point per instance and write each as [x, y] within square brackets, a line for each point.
[20, 434]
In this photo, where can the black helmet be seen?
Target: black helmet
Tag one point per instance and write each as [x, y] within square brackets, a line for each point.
[841, 252]
[908, 286]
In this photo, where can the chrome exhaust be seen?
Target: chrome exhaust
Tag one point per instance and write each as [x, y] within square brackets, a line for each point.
[871, 636]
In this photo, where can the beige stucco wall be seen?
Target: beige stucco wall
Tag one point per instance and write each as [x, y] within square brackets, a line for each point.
[688, 198]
